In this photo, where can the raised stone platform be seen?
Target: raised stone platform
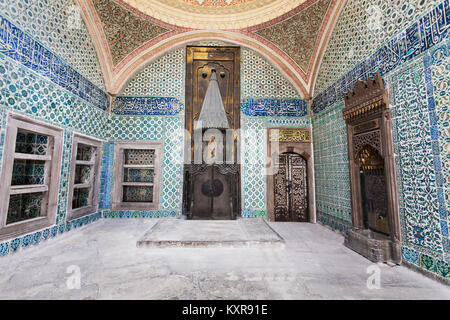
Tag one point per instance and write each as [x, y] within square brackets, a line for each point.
[374, 246]
[209, 233]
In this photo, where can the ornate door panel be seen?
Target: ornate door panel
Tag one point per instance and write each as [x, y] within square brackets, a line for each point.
[281, 206]
[291, 192]
[211, 192]
[298, 189]
[200, 63]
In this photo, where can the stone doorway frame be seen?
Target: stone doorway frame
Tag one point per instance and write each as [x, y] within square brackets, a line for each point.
[304, 149]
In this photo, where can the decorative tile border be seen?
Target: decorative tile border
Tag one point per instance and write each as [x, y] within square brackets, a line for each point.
[438, 269]
[436, 136]
[274, 107]
[155, 106]
[19, 46]
[248, 213]
[429, 31]
[106, 175]
[37, 237]
[334, 223]
[288, 122]
[138, 214]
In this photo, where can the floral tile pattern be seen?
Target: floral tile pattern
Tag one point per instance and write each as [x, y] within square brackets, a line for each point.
[124, 30]
[417, 80]
[416, 171]
[297, 35]
[363, 26]
[332, 177]
[58, 26]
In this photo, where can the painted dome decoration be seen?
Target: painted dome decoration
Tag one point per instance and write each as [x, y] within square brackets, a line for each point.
[214, 14]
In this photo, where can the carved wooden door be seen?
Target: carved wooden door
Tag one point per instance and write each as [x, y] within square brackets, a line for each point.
[291, 192]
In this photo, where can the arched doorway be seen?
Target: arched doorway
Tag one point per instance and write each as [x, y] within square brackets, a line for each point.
[291, 188]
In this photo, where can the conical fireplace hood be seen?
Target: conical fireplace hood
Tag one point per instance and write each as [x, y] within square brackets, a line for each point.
[213, 112]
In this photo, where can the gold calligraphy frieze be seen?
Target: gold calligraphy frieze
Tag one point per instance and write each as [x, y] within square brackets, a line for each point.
[284, 135]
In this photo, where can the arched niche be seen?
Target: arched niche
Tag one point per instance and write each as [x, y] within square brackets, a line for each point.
[375, 212]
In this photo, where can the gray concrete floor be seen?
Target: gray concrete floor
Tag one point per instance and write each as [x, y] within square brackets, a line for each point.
[313, 265]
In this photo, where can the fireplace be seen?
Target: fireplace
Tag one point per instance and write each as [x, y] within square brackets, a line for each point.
[375, 214]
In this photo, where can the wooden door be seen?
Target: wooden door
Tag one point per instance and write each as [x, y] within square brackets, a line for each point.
[212, 196]
[291, 190]
[212, 193]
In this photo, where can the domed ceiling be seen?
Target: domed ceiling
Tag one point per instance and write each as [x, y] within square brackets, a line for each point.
[291, 34]
[214, 14]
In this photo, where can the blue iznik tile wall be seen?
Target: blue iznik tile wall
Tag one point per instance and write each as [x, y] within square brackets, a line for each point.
[36, 80]
[414, 64]
[169, 130]
[151, 108]
[363, 26]
[268, 100]
[59, 27]
[331, 168]
[259, 79]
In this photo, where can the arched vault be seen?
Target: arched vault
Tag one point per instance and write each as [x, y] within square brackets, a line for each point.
[127, 39]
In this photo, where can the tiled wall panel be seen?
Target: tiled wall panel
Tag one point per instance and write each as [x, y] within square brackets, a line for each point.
[161, 78]
[363, 26]
[415, 66]
[331, 167]
[35, 81]
[167, 129]
[58, 26]
[253, 159]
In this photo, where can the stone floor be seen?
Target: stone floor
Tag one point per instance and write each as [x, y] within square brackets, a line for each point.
[313, 265]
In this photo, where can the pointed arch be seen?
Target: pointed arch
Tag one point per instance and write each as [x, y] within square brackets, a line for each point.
[117, 76]
[139, 59]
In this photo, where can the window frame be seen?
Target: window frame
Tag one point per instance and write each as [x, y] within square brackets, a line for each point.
[94, 183]
[52, 175]
[119, 152]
